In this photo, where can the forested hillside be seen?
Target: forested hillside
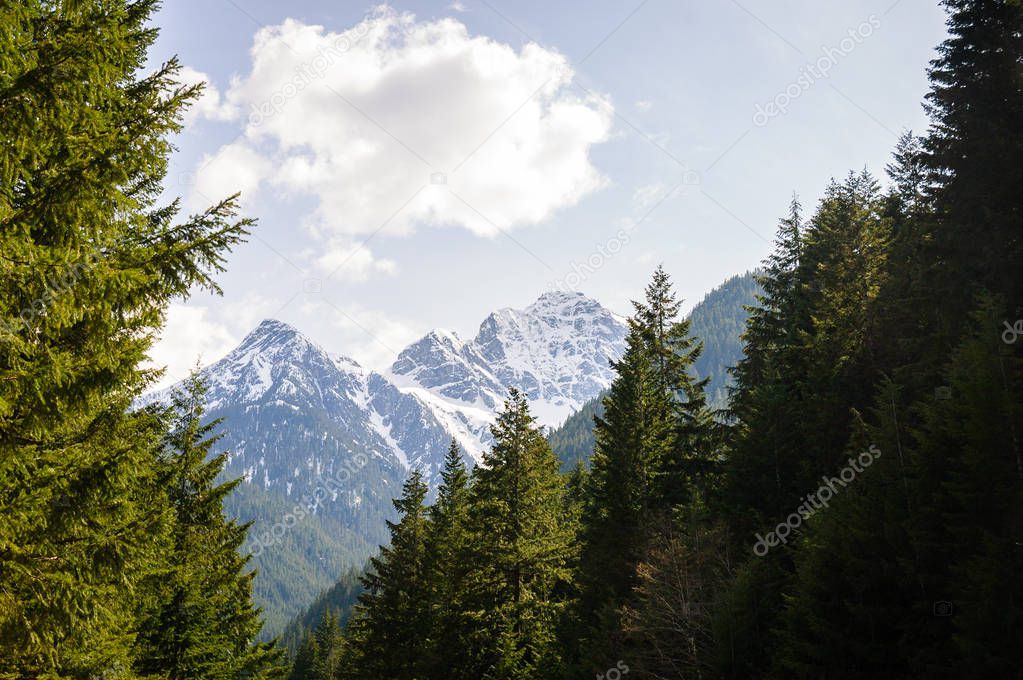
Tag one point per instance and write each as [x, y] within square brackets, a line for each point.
[573, 441]
[718, 321]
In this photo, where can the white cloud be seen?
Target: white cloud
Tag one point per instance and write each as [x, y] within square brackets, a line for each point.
[644, 105]
[235, 167]
[458, 6]
[209, 105]
[345, 260]
[188, 336]
[362, 120]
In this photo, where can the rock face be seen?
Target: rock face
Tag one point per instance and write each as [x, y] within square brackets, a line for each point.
[557, 351]
[296, 415]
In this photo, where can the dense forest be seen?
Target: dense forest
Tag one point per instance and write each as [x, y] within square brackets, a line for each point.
[718, 321]
[856, 512]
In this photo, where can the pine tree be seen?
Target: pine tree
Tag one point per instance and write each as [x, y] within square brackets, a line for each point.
[447, 557]
[393, 621]
[327, 647]
[618, 505]
[972, 153]
[654, 453]
[204, 624]
[688, 456]
[305, 658]
[88, 263]
[921, 549]
[523, 547]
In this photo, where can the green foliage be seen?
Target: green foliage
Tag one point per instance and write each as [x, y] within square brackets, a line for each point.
[866, 338]
[201, 622]
[474, 586]
[653, 454]
[719, 321]
[524, 548]
[391, 623]
[338, 601]
[114, 553]
[300, 565]
[88, 263]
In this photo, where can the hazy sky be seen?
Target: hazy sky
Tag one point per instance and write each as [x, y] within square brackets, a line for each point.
[416, 165]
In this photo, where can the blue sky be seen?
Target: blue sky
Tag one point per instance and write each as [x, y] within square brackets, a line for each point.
[415, 165]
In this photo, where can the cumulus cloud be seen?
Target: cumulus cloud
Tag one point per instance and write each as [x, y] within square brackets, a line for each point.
[188, 336]
[396, 123]
[644, 105]
[233, 168]
[210, 104]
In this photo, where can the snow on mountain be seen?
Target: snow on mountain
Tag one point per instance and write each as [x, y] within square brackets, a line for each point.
[557, 351]
[296, 418]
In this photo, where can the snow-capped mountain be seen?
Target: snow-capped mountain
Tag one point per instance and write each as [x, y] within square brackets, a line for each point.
[557, 351]
[295, 415]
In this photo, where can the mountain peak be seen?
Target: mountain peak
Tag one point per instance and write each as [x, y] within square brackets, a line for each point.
[561, 296]
[563, 303]
[270, 325]
[446, 337]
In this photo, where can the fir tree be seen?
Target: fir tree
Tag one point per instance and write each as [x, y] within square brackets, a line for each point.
[972, 153]
[447, 556]
[88, 264]
[204, 624]
[523, 547]
[687, 457]
[393, 620]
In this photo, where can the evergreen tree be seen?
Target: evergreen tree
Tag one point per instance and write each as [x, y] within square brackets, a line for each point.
[449, 568]
[88, 264]
[327, 649]
[393, 620]
[618, 505]
[972, 153]
[321, 653]
[305, 658]
[921, 548]
[205, 623]
[687, 458]
[522, 546]
[758, 480]
[654, 452]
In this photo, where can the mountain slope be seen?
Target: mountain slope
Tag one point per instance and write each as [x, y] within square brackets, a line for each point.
[323, 444]
[718, 320]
